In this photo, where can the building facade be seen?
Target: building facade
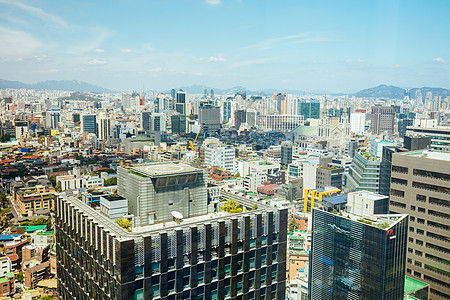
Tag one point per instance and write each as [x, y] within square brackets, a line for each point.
[355, 258]
[242, 256]
[155, 190]
[382, 119]
[420, 187]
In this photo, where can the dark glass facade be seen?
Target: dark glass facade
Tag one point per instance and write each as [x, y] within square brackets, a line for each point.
[309, 110]
[353, 260]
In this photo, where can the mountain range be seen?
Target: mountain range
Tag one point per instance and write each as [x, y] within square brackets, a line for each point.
[381, 91]
[394, 92]
[60, 85]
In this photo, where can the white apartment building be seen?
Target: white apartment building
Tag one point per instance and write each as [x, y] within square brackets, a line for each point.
[357, 122]
[69, 182]
[254, 180]
[219, 156]
[260, 166]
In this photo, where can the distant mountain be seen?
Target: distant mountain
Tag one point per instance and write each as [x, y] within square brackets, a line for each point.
[434, 91]
[60, 85]
[394, 92]
[382, 91]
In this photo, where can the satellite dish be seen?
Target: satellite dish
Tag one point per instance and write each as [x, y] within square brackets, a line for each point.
[177, 215]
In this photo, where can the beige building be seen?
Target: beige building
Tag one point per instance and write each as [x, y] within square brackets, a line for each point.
[420, 187]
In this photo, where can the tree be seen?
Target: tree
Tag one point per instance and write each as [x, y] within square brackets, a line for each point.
[124, 223]
[46, 297]
[19, 276]
[39, 221]
[293, 225]
[237, 175]
[111, 181]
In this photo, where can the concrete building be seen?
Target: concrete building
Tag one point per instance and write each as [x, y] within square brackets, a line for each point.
[219, 156]
[329, 176]
[420, 187]
[209, 117]
[383, 119]
[113, 206]
[234, 256]
[309, 109]
[286, 153]
[282, 123]
[155, 190]
[364, 173]
[104, 128]
[357, 122]
[440, 136]
[52, 119]
[158, 122]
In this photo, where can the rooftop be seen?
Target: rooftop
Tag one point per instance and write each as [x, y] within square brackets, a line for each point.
[412, 285]
[163, 169]
[445, 156]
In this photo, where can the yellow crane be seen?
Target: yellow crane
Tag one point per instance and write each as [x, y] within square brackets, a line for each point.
[191, 146]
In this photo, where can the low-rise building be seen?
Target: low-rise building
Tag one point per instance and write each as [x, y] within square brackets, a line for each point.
[35, 274]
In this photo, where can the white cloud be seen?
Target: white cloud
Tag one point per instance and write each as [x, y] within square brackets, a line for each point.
[212, 59]
[96, 62]
[36, 12]
[397, 66]
[212, 2]
[348, 60]
[19, 43]
[441, 60]
[99, 50]
[125, 50]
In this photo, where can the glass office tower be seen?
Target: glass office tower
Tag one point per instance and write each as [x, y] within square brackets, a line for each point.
[357, 258]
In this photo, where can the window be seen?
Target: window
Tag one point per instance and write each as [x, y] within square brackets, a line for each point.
[421, 210]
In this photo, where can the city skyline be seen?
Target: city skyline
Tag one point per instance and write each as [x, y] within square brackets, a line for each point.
[316, 47]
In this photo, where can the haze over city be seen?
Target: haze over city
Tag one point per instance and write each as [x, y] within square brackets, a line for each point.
[316, 46]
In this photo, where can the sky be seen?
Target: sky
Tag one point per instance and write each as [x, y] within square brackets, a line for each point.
[316, 46]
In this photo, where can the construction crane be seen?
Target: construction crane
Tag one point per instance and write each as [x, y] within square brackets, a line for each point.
[191, 146]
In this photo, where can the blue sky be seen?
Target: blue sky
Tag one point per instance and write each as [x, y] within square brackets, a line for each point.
[329, 46]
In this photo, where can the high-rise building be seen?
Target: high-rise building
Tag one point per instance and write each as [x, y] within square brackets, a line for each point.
[286, 153]
[355, 256]
[52, 119]
[309, 109]
[420, 187]
[357, 122]
[281, 101]
[234, 256]
[145, 120]
[181, 103]
[76, 118]
[89, 123]
[209, 117]
[402, 125]
[226, 110]
[104, 129]
[364, 173]
[158, 122]
[172, 93]
[240, 116]
[410, 143]
[178, 124]
[382, 119]
[251, 118]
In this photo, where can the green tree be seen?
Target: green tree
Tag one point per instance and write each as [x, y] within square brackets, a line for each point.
[111, 181]
[124, 223]
[39, 221]
[25, 223]
[293, 225]
[46, 297]
[237, 175]
[19, 276]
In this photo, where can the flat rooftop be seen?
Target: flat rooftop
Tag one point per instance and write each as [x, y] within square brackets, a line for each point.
[445, 156]
[163, 169]
[369, 195]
